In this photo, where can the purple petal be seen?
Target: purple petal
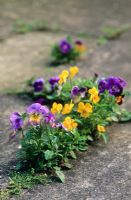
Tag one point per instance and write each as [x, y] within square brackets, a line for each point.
[34, 108]
[82, 91]
[103, 85]
[44, 110]
[38, 85]
[75, 91]
[16, 121]
[65, 46]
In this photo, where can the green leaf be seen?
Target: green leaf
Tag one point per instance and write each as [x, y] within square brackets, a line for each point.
[83, 148]
[72, 154]
[125, 116]
[69, 39]
[127, 93]
[78, 121]
[89, 138]
[105, 137]
[59, 174]
[114, 119]
[49, 154]
[24, 115]
[68, 165]
[102, 40]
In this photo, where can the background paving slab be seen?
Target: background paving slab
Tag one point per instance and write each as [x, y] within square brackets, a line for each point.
[24, 56]
[70, 15]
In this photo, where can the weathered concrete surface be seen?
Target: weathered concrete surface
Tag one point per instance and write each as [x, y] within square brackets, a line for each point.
[103, 172]
[25, 56]
[70, 15]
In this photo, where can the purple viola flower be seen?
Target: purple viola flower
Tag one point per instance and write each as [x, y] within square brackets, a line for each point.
[112, 80]
[75, 91]
[113, 84]
[54, 81]
[103, 85]
[65, 47]
[33, 108]
[36, 112]
[115, 90]
[37, 108]
[16, 121]
[115, 87]
[38, 85]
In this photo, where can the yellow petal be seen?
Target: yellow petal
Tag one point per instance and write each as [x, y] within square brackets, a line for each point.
[101, 128]
[93, 91]
[73, 71]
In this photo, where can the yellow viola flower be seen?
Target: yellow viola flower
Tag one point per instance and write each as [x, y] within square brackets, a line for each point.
[80, 48]
[94, 95]
[93, 91]
[63, 77]
[56, 108]
[119, 100]
[73, 71]
[95, 98]
[69, 123]
[84, 109]
[101, 129]
[35, 118]
[67, 108]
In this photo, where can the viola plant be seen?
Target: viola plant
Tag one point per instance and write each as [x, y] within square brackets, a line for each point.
[67, 51]
[79, 111]
[49, 138]
[66, 86]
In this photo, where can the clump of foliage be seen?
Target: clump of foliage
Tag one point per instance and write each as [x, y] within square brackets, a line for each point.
[67, 51]
[22, 180]
[111, 33]
[22, 27]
